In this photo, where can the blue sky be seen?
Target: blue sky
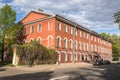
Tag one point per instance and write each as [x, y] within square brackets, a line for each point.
[93, 14]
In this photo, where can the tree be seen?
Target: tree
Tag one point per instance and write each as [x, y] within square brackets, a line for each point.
[7, 20]
[115, 40]
[117, 18]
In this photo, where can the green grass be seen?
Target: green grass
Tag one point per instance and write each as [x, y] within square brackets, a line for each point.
[6, 63]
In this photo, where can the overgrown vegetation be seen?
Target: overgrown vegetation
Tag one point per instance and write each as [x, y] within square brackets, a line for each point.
[35, 53]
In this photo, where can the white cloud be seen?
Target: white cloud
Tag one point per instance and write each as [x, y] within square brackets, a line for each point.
[90, 13]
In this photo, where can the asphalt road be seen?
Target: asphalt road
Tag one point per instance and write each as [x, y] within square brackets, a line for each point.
[105, 72]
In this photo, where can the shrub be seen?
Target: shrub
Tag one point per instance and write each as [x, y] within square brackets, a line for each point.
[35, 53]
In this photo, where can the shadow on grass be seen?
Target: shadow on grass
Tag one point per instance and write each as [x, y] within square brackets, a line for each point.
[30, 76]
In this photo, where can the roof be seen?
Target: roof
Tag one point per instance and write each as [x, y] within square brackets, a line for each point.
[61, 18]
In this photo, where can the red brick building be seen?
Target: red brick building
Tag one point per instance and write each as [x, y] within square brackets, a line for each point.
[72, 42]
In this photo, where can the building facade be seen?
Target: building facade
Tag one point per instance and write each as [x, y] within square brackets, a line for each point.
[72, 42]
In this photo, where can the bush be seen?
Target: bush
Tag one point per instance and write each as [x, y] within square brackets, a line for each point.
[35, 53]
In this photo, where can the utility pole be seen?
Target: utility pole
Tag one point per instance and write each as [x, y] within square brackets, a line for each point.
[90, 46]
[74, 51]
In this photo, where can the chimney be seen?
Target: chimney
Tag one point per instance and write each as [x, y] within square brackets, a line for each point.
[40, 10]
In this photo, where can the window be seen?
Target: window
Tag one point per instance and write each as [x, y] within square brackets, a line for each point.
[31, 29]
[58, 42]
[84, 35]
[71, 30]
[65, 43]
[80, 45]
[58, 56]
[49, 41]
[65, 28]
[24, 30]
[65, 57]
[76, 57]
[31, 39]
[94, 38]
[71, 44]
[48, 26]
[71, 57]
[98, 40]
[59, 26]
[91, 38]
[39, 27]
[76, 45]
[83, 46]
[87, 36]
[39, 40]
[91, 47]
[80, 34]
[76, 32]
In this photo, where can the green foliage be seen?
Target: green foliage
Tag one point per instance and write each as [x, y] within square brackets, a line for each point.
[7, 16]
[35, 53]
[9, 29]
[115, 40]
[117, 18]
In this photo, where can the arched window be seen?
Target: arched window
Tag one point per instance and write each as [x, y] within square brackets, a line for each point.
[71, 56]
[39, 39]
[31, 39]
[76, 45]
[65, 43]
[65, 57]
[58, 41]
[71, 44]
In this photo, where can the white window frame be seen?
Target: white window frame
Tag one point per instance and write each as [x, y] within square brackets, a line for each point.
[59, 41]
[65, 43]
[80, 34]
[71, 57]
[39, 27]
[71, 44]
[31, 29]
[65, 56]
[39, 38]
[59, 26]
[65, 28]
[71, 30]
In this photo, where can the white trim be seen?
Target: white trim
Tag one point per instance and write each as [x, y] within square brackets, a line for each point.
[31, 39]
[39, 38]
[65, 56]
[59, 26]
[66, 45]
[59, 57]
[71, 56]
[50, 36]
[49, 25]
[60, 41]
[31, 29]
[71, 45]
[38, 26]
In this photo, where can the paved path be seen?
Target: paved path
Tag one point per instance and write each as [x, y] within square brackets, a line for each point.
[78, 71]
[50, 66]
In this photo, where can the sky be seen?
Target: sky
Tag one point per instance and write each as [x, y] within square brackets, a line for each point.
[93, 14]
